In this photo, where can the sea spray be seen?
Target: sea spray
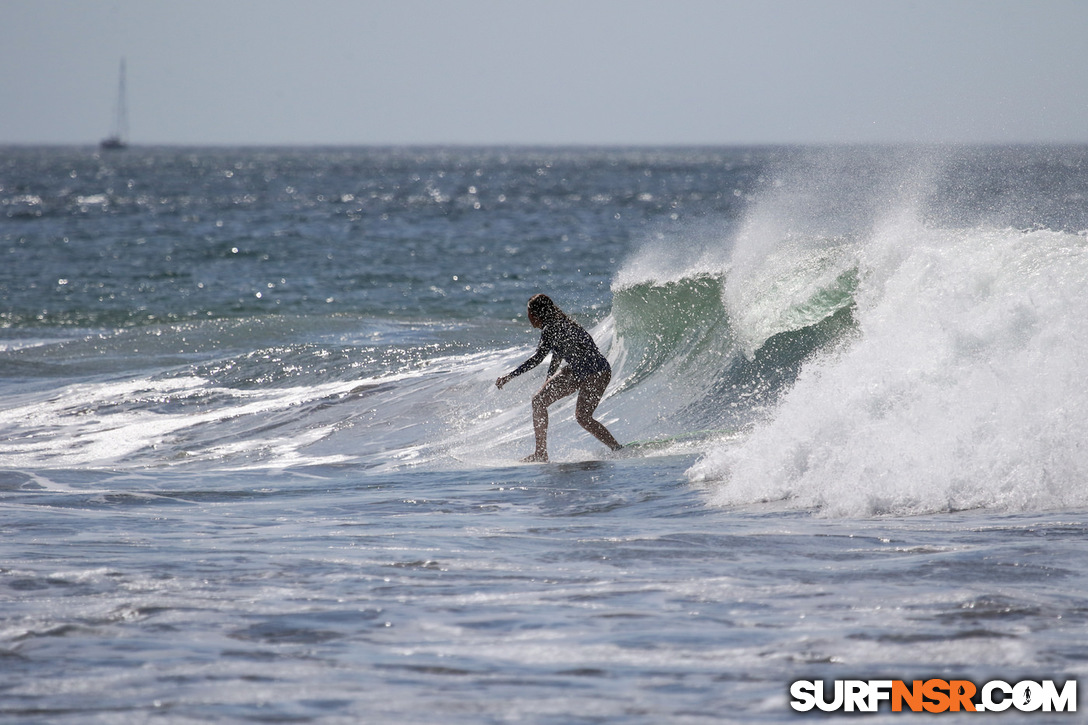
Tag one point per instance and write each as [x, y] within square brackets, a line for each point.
[961, 389]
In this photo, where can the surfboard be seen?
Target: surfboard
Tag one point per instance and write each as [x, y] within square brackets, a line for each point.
[649, 445]
[632, 449]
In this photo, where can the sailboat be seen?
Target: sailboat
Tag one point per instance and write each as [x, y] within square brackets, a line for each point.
[118, 137]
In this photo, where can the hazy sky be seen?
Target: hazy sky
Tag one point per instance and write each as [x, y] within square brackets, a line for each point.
[546, 71]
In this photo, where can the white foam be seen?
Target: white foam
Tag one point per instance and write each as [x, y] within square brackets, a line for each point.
[106, 423]
[964, 387]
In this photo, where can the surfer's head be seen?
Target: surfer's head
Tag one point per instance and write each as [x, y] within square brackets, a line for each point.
[542, 310]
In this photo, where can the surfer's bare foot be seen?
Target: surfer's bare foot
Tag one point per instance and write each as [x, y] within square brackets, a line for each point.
[536, 458]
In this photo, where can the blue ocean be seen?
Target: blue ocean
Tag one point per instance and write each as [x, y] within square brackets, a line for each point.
[254, 466]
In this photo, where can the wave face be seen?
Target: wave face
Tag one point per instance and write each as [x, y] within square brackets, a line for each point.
[685, 362]
[959, 384]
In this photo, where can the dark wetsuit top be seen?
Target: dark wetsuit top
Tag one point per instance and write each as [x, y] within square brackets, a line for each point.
[567, 341]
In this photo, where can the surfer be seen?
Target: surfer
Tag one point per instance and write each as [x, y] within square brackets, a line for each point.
[587, 373]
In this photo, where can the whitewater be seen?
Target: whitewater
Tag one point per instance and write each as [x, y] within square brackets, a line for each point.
[254, 466]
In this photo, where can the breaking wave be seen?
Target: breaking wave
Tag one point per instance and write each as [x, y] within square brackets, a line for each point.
[959, 386]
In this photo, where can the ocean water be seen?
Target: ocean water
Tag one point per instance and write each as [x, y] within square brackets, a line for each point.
[254, 467]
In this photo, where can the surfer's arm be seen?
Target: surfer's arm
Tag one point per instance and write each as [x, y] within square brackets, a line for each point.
[538, 357]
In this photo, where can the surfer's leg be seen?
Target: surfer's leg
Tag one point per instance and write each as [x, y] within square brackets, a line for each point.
[589, 396]
[557, 386]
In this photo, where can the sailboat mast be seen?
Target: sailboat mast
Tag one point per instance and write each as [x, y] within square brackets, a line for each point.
[121, 131]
